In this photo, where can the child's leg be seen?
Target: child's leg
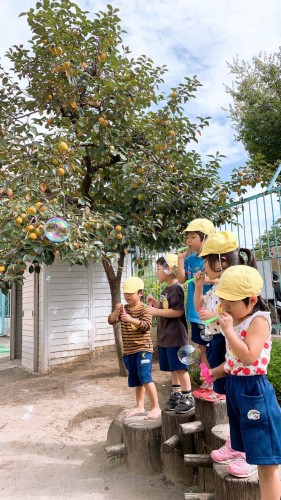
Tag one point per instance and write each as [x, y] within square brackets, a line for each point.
[202, 349]
[175, 379]
[269, 479]
[155, 411]
[184, 380]
[139, 408]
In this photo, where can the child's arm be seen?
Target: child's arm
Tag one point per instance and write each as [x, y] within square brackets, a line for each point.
[217, 372]
[249, 350]
[181, 274]
[113, 317]
[143, 323]
[151, 300]
[165, 313]
[198, 292]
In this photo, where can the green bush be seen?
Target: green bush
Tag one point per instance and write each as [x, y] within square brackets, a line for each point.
[274, 369]
[194, 368]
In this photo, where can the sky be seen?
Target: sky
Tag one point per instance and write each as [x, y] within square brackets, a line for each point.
[190, 38]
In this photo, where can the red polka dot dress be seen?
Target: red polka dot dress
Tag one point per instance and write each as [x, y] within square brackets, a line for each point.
[234, 366]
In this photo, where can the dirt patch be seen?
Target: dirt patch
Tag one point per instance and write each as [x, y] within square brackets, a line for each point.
[53, 432]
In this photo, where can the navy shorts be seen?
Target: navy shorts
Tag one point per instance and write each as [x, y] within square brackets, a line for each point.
[196, 329]
[215, 352]
[168, 359]
[254, 418]
[139, 366]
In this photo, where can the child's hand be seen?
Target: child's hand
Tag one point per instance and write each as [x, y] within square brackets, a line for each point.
[183, 254]
[225, 321]
[206, 314]
[150, 311]
[200, 278]
[126, 317]
[212, 374]
[119, 308]
[150, 300]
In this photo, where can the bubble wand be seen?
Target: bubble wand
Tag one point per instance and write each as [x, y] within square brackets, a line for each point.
[214, 318]
[182, 249]
[208, 321]
[205, 372]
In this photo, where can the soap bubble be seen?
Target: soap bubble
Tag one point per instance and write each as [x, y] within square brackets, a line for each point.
[204, 336]
[56, 229]
[187, 354]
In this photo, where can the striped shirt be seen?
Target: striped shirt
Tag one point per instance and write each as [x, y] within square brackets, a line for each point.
[136, 338]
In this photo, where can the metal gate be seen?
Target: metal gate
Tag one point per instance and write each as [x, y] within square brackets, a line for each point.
[258, 225]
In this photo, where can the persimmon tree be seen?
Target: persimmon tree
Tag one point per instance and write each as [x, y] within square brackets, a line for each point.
[89, 133]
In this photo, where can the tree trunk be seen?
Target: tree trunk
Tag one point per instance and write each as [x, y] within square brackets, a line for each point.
[114, 280]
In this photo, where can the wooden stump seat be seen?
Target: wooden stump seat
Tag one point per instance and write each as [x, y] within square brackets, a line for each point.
[175, 446]
[143, 439]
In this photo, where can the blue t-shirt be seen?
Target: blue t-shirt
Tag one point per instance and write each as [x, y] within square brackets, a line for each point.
[193, 264]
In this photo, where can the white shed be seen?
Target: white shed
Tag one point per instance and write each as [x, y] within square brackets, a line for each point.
[60, 315]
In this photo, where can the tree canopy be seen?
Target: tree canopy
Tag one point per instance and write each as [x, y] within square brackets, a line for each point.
[256, 110]
[91, 134]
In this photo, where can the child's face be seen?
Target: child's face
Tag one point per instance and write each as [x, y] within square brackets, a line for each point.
[237, 309]
[210, 272]
[161, 273]
[132, 299]
[193, 242]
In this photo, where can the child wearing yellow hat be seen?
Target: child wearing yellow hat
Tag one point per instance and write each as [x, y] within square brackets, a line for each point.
[172, 333]
[219, 252]
[253, 410]
[137, 346]
[197, 232]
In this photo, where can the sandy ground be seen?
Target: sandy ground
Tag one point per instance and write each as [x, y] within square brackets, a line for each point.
[53, 432]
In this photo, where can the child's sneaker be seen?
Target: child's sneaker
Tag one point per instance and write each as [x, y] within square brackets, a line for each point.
[225, 454]
[240, 468]
[186, 404]
[173, 401]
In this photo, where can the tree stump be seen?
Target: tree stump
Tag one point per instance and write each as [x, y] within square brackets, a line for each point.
[210, 414]
[234, 488]
[175, 447]
[220, 434]
[143, 440]
[115, 430]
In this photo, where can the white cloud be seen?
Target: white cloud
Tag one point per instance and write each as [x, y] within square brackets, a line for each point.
[190, 37]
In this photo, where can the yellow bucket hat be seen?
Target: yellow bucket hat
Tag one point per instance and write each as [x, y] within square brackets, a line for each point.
[172, 260]
[132, 285]
[205, 226]
[239, 282]
[220, 242]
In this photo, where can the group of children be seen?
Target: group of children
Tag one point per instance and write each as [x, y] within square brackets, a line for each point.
[235, 346]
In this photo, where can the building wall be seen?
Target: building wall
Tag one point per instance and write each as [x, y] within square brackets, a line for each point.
[28, 322]
[74, 303]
